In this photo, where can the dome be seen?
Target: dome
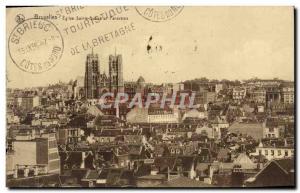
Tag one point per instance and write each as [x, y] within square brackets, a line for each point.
[141, 80]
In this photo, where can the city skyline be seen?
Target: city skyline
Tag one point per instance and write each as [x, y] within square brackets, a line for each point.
[156, 96]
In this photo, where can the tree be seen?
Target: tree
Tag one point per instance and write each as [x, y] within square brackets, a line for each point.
[203, 79]
[214, 81]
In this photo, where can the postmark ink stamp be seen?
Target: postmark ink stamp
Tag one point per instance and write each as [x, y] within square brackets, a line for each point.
[35, 45]
[159, 14]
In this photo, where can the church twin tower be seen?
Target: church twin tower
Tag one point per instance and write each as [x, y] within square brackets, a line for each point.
[95, 83]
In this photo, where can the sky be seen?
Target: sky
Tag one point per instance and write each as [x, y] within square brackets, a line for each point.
[213, 42]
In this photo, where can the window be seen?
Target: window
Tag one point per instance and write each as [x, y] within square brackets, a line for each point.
[279, 152]
[266, 152]
[286, 153]
[273, 135]
[272, 152]
[259, 152]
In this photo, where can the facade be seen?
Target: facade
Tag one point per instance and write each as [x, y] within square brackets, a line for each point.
[28, 102]
[116, 73]
[104, 83]
[194, 113]
[258, 95]
[273, 94]
[271, 132]
[36, 153]
[91, 78]
[69, 135]
[205, 97]
[238, 94]
[273, 152]
[158, 115]
[288, 93]
[171, 117]
[274, 128]
[153, 115]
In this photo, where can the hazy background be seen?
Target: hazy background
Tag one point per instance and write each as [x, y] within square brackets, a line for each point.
[212, 42]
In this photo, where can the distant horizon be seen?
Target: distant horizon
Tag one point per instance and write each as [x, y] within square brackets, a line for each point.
[126, 81]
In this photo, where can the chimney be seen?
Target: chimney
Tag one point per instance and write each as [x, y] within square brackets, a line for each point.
[117, 151]
[211, 172]
[26, 172]
[168, 174]
[118, 112]
[36, 171]
[154, 170]
[82, 160]
[16, 172]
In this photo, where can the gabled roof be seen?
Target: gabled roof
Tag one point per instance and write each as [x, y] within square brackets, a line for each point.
[286, 164]
[245, 162]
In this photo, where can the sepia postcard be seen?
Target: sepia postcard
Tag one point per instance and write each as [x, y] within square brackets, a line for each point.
[150, 97]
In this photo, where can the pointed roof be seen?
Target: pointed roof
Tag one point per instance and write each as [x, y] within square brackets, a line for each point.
[244, 161]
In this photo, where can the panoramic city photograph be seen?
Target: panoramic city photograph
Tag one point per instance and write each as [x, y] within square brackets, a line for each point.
[150, 97]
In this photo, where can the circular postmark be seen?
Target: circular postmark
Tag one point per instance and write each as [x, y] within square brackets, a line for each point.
[159, 14]
[35, 45]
